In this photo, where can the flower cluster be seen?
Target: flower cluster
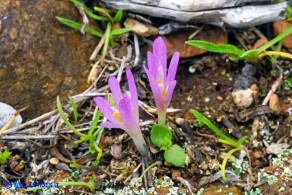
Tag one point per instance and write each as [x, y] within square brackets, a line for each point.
[126, 114]
[162, 81]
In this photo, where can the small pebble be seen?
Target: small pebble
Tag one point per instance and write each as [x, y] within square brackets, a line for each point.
[6, 113]
[204, 167]
[175, 174]
[219, 98]
[112, 68]
[192, 69]
[54, 161]
[179, 121]
[243, 98]
[257, 154]
[207, 99]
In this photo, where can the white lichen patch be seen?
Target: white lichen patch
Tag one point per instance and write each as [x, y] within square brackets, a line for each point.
[135, 188]
[281, 176]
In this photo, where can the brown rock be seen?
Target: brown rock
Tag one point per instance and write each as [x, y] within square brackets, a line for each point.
[41, 58]
[260, 43]
[176, 41]
[279, 27]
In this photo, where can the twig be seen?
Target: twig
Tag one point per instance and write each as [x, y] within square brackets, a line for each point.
[240, 40]
[259, 33]
[195, 33]
[273, 89]
[35, 120]
[90, 95]
[85, 20]
[21, 136]
[137, 50]
[130, 176]
[186, 183]
[97, 48]
[121, 69]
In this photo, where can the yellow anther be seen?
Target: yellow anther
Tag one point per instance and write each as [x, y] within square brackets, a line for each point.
[163, 94]
[158, 81]
[117, 115]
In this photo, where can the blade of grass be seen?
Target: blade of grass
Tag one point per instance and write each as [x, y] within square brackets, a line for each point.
[94, 123]
[241, 140]
[119, 31]
[118, 16]
[74, 107]
[225, 161]
[89, 12]
[275, 40]
[209, 124]
[78, 26]
[227, 143]
[69, 125]
[104, 12]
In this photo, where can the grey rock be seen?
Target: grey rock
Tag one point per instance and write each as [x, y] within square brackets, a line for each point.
[6, 112]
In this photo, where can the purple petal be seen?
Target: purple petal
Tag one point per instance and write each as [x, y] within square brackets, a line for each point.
[152, 66]
[115, 89]
[159, 52]
[155, 90]
[169, 93]
[133, 91]
[110, 125]
[105, 107]
[173, 67]
[127, 115]
[107, 111]
[132, 86]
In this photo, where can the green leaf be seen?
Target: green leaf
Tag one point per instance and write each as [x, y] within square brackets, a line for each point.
[118, 16]
[74, 107]
[161, 137]
[94, 123]
[119, 31]
[175, 155]
[250, 55]
[217, 48]
[66, 121]
[4, 156]
[241, 140]
[209, 124]
[89, 12]
[78, 26]
[288, 11]
[275, 40]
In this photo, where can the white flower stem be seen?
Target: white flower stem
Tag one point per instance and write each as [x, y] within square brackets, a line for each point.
[161, 117]
[140, 143]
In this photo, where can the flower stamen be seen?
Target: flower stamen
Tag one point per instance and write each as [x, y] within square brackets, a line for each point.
[163, 93]
[117, 115]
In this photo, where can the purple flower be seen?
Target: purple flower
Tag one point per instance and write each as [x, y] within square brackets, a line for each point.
[126, 114]
[162, 82]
